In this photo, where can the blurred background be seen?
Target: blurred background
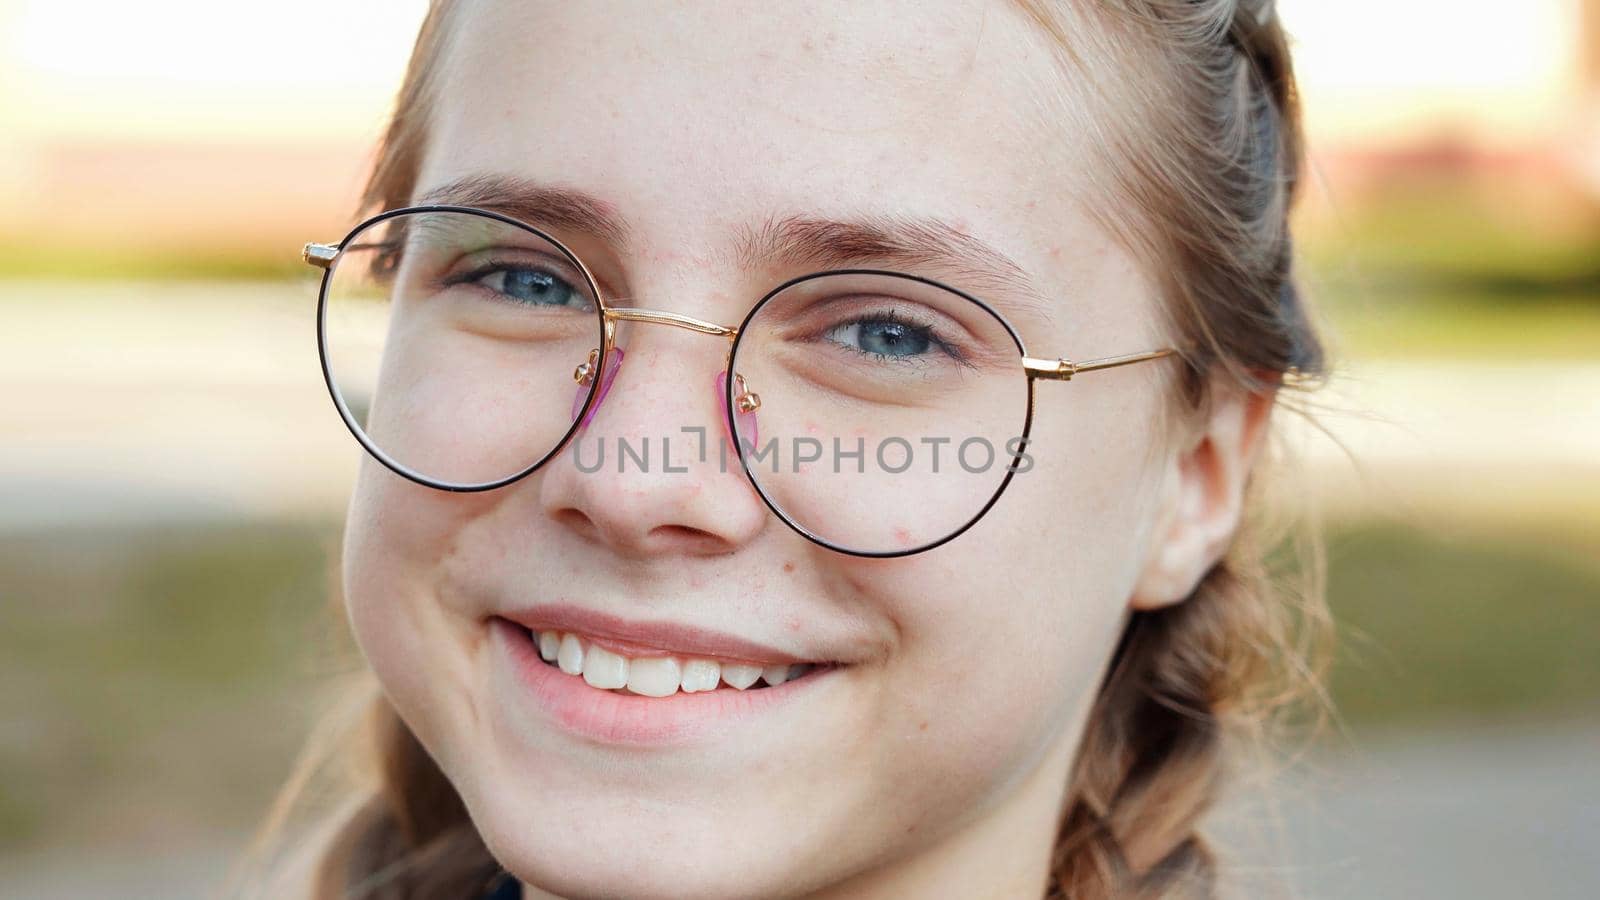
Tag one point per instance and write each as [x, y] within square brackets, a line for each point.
[173, 477]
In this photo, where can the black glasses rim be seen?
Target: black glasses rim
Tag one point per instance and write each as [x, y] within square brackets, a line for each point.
[740, 331]
[808, 534]
[348, 417]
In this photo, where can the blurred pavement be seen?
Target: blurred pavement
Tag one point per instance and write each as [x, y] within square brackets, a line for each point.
[1465, 814]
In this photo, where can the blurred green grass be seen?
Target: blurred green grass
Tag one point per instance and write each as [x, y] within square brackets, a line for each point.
[1434, 323]
[1482, 624]
[164, 673]
[153, 673]
[1441, 269]
[1443, 224]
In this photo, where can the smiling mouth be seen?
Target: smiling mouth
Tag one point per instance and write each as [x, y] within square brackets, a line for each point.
[657, 675]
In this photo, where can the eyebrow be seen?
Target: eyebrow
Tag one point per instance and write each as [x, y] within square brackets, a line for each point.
[780, 241]
[534, 203]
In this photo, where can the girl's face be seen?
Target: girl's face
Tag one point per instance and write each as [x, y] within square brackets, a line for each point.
[957, 680]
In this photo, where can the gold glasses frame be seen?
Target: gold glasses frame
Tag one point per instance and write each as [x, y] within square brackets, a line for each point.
[737, 398]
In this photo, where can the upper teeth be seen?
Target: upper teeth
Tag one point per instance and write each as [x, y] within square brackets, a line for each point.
[654, 676]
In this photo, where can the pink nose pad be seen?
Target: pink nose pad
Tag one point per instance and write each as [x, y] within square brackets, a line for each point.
[613, 364]
[746, 420]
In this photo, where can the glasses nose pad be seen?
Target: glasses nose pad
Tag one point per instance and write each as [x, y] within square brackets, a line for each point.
[585, 375]
[745, 402]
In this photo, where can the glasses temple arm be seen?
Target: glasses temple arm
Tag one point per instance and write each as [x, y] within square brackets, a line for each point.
[1064, 369]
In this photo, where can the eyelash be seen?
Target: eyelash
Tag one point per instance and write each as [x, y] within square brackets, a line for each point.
[894, 316]
[492, 266]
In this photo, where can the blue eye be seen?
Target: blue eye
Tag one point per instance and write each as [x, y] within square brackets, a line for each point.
[884, 337]
[522, 284]
[534, 287]
[895, 336]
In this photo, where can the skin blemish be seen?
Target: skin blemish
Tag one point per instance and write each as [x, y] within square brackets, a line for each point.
[788, 566]
[902, 535]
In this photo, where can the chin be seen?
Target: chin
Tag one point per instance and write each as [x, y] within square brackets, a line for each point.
[592, 845]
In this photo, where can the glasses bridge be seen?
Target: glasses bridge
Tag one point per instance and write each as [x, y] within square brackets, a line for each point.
[662, 317]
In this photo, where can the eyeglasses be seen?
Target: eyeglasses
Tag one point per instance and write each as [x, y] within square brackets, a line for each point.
[465, 349]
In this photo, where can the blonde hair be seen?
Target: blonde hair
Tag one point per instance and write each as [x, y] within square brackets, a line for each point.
[1201, 143]
[1202, 159]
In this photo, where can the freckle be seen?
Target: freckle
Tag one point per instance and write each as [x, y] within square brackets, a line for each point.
[923, 727]
[788, 567]
[1055, 252]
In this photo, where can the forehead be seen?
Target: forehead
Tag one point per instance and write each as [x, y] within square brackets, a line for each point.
[696, 122]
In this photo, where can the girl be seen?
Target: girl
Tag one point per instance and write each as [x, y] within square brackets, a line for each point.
[622, 651]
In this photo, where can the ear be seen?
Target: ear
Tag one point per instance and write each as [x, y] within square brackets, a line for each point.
[1202, 498]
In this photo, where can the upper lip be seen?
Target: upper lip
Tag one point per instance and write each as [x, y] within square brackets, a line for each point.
[637, 637]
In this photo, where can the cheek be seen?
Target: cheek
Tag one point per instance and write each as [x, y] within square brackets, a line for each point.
[1001, 654]
[389, 538]
[1005, 633]
[398, 538]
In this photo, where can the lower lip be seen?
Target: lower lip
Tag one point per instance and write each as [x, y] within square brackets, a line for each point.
[615, 718]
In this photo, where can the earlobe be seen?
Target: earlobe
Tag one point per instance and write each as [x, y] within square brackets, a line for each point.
[1202, 499]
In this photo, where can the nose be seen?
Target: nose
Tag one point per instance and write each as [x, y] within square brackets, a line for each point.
[650, 471]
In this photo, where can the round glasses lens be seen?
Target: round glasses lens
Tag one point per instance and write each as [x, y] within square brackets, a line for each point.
[879, 413]
[453, 342]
